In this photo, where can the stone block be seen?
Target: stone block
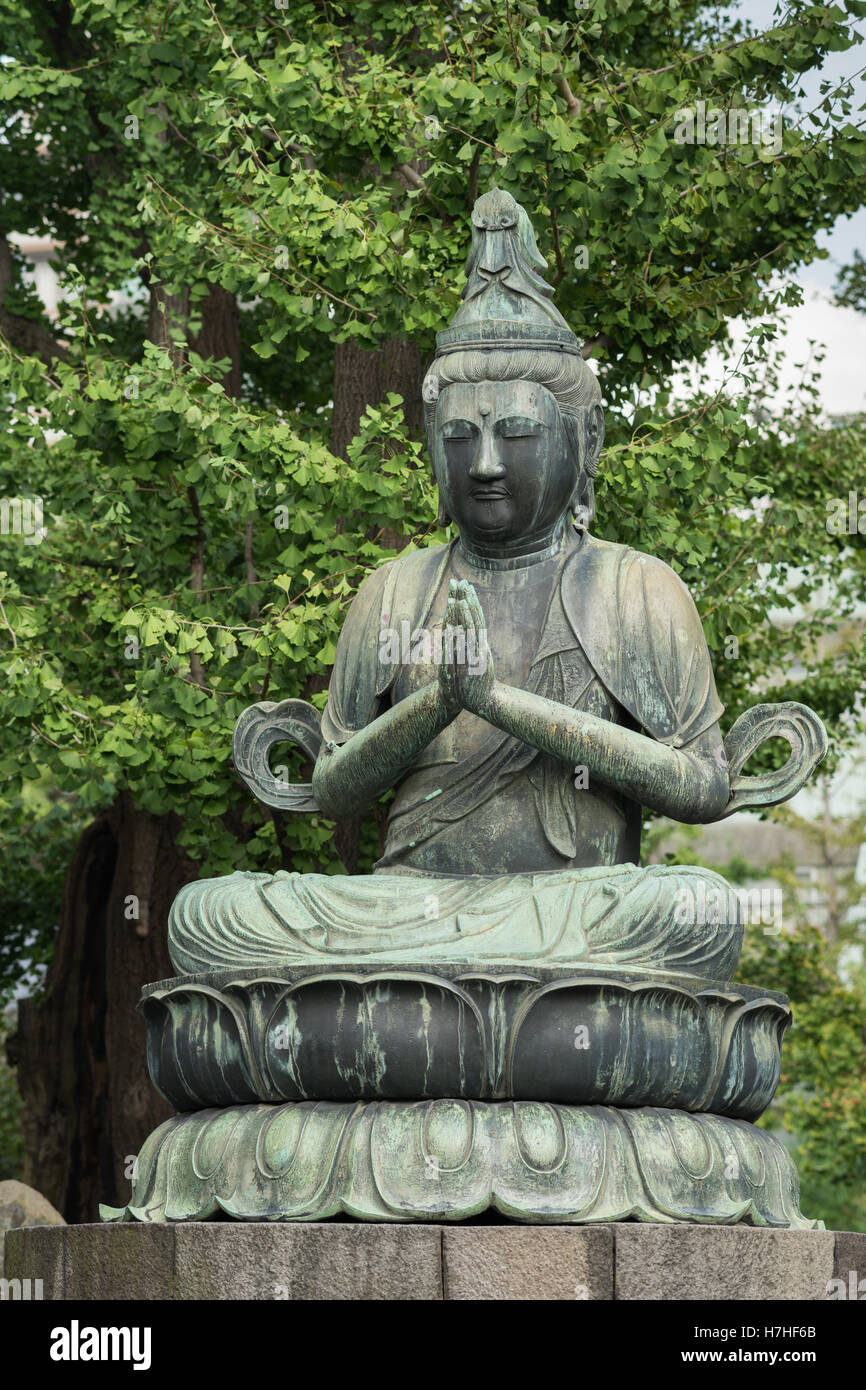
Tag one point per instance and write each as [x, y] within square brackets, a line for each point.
[685, 1263]
[307, 1260]
[365, 1261]
[128, 1268]
[88, 1262]
[36, 1252]
[850, 1266]
[538, 1263]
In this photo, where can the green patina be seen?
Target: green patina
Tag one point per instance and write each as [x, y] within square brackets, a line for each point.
[527, 690]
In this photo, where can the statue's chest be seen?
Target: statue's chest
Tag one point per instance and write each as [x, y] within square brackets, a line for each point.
[514, 614]
[520, 619]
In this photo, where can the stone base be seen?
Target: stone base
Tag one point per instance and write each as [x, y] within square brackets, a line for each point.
[449, 1160]
[334, 1260]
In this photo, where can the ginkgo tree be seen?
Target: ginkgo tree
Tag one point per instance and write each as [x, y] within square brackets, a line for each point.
[259, 214]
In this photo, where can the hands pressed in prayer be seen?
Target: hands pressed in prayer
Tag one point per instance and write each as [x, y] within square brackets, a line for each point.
[466, 670]
[690, 785]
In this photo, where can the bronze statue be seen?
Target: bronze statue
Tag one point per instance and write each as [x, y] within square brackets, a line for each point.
[509, 1010]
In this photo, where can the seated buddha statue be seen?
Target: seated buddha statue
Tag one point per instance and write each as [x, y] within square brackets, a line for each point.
[552, 685]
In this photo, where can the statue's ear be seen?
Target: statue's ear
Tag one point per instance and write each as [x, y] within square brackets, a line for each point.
[593, 438]
[442, 517]
[582, 504]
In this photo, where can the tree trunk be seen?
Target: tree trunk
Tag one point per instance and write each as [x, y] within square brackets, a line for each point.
[363, 377]
[59, 1048]
[220, 335]
[80, 1048]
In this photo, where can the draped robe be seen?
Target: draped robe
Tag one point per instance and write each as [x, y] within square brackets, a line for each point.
[495, 852]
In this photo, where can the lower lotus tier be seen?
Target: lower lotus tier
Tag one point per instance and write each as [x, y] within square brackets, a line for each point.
[446, 1160]
[234, 1038]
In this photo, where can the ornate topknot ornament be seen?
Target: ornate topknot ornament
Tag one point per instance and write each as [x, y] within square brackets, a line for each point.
[506, 302]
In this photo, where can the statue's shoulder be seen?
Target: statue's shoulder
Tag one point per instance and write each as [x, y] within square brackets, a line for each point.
[366, 601]
[396, 589]
[637, 624]
[412, 582]
[618, 571]
[414, 563]
[411, 566]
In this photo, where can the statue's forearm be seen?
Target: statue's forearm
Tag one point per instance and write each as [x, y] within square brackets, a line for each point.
[348, 778]
[681, 785]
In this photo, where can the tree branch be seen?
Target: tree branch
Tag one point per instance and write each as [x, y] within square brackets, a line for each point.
[411, 176]
[574, 106]
[601, 340]
[252, 578]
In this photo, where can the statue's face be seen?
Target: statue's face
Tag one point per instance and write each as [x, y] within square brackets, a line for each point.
[502, 460]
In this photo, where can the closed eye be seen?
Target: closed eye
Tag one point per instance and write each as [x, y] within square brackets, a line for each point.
[459, 429]
[519, 427]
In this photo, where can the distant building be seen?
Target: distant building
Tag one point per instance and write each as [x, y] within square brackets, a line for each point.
[40, 251]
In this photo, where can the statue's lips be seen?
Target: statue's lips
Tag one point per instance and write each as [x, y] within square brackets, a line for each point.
[489, 494]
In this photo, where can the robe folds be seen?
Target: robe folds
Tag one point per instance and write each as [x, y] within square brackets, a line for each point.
[621, 639]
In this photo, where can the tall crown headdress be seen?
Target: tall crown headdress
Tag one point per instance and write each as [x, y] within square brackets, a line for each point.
[508, 328]
[507, 325]
[506, 301]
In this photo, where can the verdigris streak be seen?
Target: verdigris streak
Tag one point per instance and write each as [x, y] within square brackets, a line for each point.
[509, 1011]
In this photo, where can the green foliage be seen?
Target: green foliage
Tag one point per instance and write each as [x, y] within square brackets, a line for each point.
[37, 841]
[820, 1099]
[852, 284]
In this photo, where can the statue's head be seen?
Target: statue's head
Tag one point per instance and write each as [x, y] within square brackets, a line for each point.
[514, 418]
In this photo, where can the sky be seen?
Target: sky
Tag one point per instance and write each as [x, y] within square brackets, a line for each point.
[842, 331]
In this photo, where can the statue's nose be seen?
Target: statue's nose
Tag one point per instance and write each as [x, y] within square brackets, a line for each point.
[486, 464]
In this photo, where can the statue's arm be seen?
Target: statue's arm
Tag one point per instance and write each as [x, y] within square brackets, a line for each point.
[348, 777]
[688, 784]
[367, 750]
